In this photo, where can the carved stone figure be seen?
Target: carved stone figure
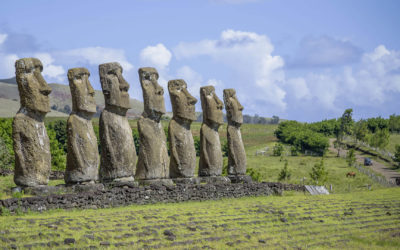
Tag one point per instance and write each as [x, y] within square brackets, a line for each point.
[118, 153]
[210, 164]
[181, 144]
[236, 153]
[31, 143]
[153, 162]
[82, 156]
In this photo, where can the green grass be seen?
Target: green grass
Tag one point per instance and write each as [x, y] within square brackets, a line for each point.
[393, 141]
[367, 220]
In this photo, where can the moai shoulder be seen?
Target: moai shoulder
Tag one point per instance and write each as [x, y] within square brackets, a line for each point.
[118, 153]
[211, 162]
[82, 156]
[153, 161]
[236, 154]
[181, 143]
[31, 143]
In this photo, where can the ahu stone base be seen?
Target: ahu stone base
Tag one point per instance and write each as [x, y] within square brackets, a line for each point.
[123, 196]
[215, 179]
[191, 180]
[167, 182]
[240, 178]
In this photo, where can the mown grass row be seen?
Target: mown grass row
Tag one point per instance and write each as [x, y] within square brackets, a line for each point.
[367, 219]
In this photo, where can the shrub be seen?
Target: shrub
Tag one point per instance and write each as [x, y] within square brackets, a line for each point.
[6, 159]
[351, 157]
[136, 140]
[7, 151]
[197, 144]
[225, 149]
[397, 155]
[285, 173]
[318, 173]
[60, 128]
[293, 151]
[58, 157]
[278, 149]
[302, 137]
[254, 174]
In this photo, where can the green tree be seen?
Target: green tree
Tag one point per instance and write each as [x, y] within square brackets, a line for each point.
[397, 155]
[360, 130]
[58, 157]
[351, 157]
[346, 123]
[380, 139]
[285, 172]
[318, 173]
[394, 123]
[6, 160]
[60, 128]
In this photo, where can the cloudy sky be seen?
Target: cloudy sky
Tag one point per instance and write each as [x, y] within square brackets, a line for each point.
[305, 60]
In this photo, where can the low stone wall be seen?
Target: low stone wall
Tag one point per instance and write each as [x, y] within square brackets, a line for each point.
[126, 195]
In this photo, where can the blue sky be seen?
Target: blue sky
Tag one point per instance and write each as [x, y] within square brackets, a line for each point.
[305, 60]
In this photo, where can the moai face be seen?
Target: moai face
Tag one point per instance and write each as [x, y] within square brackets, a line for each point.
[152, 92]
[233, 107]
[33, 89]
[81, 91]
[182, 101]
[211, 105]
[115, 88]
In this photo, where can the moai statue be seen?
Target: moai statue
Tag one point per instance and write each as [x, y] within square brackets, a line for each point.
[210, 165]
[236, 154]
[118, 153]
[153, 162]
[31, 143]
[181, 144]
[82, 156]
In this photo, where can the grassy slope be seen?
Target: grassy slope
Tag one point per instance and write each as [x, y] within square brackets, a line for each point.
[368, 220]
[393, 141]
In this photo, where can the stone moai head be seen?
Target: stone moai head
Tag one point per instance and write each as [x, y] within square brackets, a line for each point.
[115, 88]
[233, 107]
[33, 89]
[182, 101]
[152, 92]
[81, 91]
[212, 106]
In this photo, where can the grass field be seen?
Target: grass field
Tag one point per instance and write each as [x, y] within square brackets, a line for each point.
[352, 217]
[393, 141]
[367, 220]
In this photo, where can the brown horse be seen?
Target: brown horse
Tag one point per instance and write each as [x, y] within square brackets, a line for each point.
[351, 174]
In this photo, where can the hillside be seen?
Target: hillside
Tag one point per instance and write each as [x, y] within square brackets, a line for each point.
[60, 97]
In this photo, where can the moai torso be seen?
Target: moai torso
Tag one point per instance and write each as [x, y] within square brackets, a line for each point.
[118, 153]
[31, 143]
[236, 152]
[181, 144]
[82, 156]
[153, 153]
[211, 162]
[153, 162]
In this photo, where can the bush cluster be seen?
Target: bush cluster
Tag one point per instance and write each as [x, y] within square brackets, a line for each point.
[302, 137]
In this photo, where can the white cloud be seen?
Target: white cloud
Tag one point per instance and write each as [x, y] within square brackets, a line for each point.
[3, 38]
[324, 51]
[250, 55]
[7, 62]
[371, 83]
[95, 56]
[157, 56]
[193, 79]
[55, 72]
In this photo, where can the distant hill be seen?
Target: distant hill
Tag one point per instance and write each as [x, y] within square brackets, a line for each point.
[60, 100]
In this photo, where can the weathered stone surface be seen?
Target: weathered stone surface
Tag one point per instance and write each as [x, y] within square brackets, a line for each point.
[236, 153]
[31, 143]
[240, 178]
[215, 179]
[210, 147]
[181, 143]
[122, 196]
[82, 156]
[153, 162]
[118, 153]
